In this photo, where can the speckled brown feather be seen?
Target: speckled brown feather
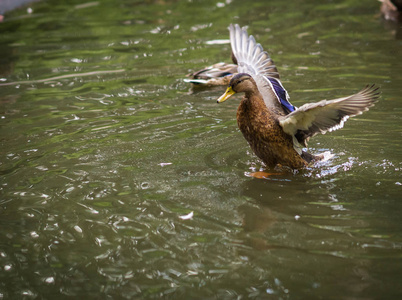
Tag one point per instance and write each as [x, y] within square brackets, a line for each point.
[261, 129]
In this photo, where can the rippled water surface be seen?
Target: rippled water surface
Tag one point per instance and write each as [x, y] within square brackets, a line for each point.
[121, 181]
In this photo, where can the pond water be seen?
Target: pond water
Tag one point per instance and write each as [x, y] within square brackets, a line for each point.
[121, 181]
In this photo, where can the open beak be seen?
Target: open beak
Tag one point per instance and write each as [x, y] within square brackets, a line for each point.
[229, 93]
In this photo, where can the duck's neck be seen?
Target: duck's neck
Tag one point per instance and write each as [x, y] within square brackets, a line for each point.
[254, 101]
[253, 117]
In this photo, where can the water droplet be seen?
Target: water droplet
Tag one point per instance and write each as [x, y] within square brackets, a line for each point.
[145, 185]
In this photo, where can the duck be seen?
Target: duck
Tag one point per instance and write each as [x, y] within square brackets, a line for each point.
[391, 10]
[276, 130]
[218, 74]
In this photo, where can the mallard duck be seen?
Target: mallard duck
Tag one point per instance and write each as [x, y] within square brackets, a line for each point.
[276, 130]
[217, 74]
[392, 10]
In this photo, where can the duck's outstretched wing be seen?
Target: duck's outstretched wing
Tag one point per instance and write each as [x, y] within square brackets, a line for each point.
[252, 59]
[327, 115]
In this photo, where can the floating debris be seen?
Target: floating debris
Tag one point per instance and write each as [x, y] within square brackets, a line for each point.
[165, 164]
[187, 217]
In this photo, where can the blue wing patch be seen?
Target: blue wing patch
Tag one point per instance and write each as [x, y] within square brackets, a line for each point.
[282, 95]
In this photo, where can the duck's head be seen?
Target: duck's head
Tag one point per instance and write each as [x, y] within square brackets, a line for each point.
[241, 82]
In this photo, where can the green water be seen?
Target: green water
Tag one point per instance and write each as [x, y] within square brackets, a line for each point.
[105, 150]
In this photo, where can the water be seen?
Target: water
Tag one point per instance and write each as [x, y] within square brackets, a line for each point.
[106, 153]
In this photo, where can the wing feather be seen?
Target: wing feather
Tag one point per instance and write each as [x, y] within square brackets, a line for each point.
[252, 59]
[327, 115]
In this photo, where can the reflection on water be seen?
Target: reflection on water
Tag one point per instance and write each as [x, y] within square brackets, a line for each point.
[120, 180]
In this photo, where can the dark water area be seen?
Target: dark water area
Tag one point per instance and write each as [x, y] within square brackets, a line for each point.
[121, 181]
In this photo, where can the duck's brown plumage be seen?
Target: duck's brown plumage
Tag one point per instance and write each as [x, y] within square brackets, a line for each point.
[260, 127]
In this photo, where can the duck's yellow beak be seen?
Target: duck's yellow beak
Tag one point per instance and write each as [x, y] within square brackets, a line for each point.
[229, 93]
